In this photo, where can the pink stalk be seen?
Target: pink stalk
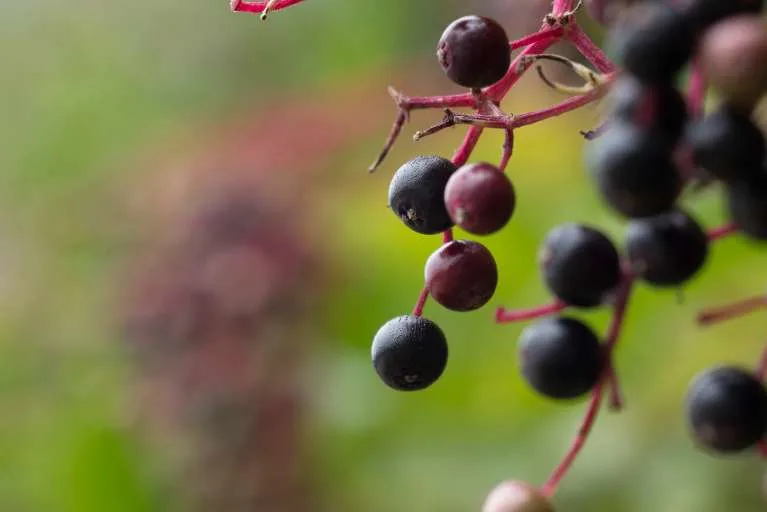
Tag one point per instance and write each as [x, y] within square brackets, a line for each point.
[542, 35]
[508, 149]
[505, 316]
[453, 100]
[722, 231]
[589, 419]
[734, 310]
[259, 7]
[616, 397]
[462, 154]
[588, 49]
[561, 7]
[447, 236]
[696, 91]
[498, 90]
[568, 105]
[419, 305]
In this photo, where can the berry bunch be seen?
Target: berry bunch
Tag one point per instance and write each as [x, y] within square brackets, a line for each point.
[656, 145]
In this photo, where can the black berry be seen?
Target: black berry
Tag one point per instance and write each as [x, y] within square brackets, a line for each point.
[474, 51]
[633, 170]
[417, 194]
[704, 13]
[727, 144]
[409, 353]
[666, 250]
[747, 205]
[727, 409]
[580, 265]
[560, 357]
[480, 198]
[461, 275]
[658, 108]
[653, 41]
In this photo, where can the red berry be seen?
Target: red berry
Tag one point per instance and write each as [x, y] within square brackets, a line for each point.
[480, 198]
[461, 275]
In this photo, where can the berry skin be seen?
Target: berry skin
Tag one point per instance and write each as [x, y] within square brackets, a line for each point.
[733, 54]
[727, 144]
[474, 51]
[653, 41]
[514, 496]
[417, 191]
[666, 250]
[659, 109]
[727, 409]
[580, 265]
[480, 198]
[560, 357]
[409, 353]
[461, 275]
[747, 205]
[704, 13]
[633, 171]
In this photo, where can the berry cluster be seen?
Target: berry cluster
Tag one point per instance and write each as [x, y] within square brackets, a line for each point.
[656, 146]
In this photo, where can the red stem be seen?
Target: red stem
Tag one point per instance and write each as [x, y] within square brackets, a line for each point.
[453, 100]
[242, 6]
[504, 316]
[616, 397]
[734, 310]
[447, 236]
[696, 90]
[419, 305]
[722, 231]
[564, 107]
[561, 7]
[541, 35]
[498, 90]
[589, 419]
[588, 49]
[462, 154]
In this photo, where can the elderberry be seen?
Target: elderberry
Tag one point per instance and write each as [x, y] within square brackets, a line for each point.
[480, 198]
[747, 205]
[727, 409]
[461, 275]
[474, 51]
[704, 13]
[560, 357]
[416, 194]
[409, 353]
[580, 265]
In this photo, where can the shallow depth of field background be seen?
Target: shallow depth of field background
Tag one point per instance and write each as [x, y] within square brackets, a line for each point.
[96, 98]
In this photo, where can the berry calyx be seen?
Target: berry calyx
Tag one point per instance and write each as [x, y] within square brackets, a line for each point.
[480, 198]
[409, 353]
[417, 191]
[515, 496]
[474, 51]
[666, 250]
[580, 265]
[461, 275]
[560, 357]
[727, 409]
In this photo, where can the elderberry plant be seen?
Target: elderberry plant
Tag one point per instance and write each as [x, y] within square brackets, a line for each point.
[655, 144]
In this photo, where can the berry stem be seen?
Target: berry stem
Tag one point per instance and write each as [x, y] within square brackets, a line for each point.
[505, 316]
[508, 150]
[564, 107]
[616, 397]
[396, 129]
[261, 7]
[722, 231]
[447, 236]
[421, 302]
[517, 68]
[542, 35]
[734, 310]
[561, 7]
[613, 333]
[595, 133]
[696, 90]
[589, 49]
[462, 154]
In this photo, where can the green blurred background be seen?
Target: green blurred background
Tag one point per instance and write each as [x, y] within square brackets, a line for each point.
[97, 97]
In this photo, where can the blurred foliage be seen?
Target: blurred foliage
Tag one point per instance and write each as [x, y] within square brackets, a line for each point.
[86, 86]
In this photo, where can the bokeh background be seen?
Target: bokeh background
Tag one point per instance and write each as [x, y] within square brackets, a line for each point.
[194, 261]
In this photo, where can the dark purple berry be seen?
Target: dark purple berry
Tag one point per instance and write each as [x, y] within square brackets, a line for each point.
[516, 496]
[666, 250]
[580, 265]
[747, 205]
[461, 275]
[633, 170]
[474, 51]
[653, 41]
[480, 198]
[417, 194]
[704, 13]
[409, 353]
[727, 409]
[727, 144]
[658, 108]
[560, 357]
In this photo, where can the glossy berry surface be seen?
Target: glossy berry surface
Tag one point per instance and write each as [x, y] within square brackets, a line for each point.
[727, 144]
[409, 353]
[580, 265]
[417, 191]
[727, 409]
[666, 250]
[633, 171]
[474, 51]
[653, 41]
[515, 496]
[461, 275]
[733, 55]
[560, 357]
[747, 205]
[480, 198]
[658, 108]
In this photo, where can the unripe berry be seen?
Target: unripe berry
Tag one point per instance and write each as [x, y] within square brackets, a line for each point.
[461, 275]
[480, 198]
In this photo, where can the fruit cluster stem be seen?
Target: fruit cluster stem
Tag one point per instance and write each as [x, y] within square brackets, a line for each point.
[589, 49]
